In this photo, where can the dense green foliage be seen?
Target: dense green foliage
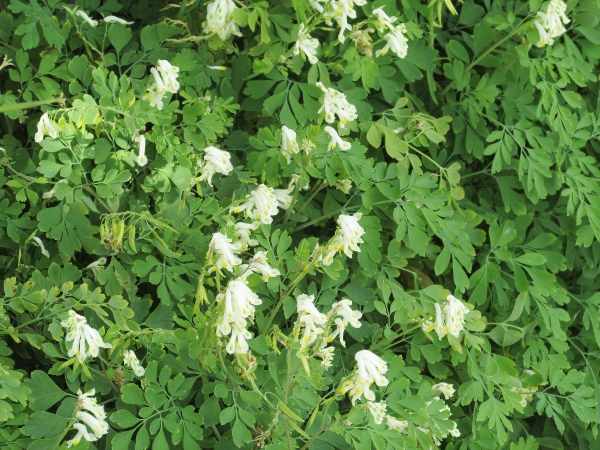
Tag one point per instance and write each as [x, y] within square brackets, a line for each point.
[473, 162]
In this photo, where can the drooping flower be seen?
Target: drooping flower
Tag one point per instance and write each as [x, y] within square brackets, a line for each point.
[310, 319]
[142, 160]
[82, 433]
[396, 41]
[346, 239]
[284, 196]
[115, 19]
[89, 414]
[336, 140]
[131, 360]
[347, 316]
[238, 306]
[370, 369]
[97, 425]
[383, 21]
[307, 45]
[377, 410]
[449, 321]
[88, 19]
[455, 431]
[289, 143]
[339, 11]
[395, 424]
[326, 355]
[261, 204]
[550, 22]
[86, 340]
[335, 103]
[165, 80]
[45, 127]
[344, 186]
[215, 161]
[226, 252]
[219, 19]
[446, 389]
[243, 232]
[40, 244]
[154, 97]
[260, 264]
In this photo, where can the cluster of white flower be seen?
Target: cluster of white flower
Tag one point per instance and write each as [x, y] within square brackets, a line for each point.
[238, 307]
[131, 360]
[215, 161]
[447, 390]
[243, 231]
[86, 340]
[261, 204]
[370, 369]
[225, 251]
[219, 19]
[45, 127]
[346, 239]
[307, 45]
[550, 23]
[377, 410]
[89, 414]
[451, 321]
[165, 80]
[289, 143]
[310, 319]
[395, 38]
[284, 196]
[259, 264]
[346, 316]
[336, 140]
[335, 103]
[339, 11]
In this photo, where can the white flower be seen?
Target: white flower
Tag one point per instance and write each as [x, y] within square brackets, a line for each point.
[86, 340]
[165, 76]
[142, 160]
[216, 161]
[289, 144]
[98, 426]
[89, 402]
[395, 41]
[154, 97]
[545, 39]
[526, 394]
[346, 239]
[326, 355]
[92, 415]
[221, 68]
[444, 388]
[243, 232]
[284, 196]
[455, 431]
[395, 424]
[377, 410]
[310, 319]
[219, 19]
[115, 19]
[336, 140]
[307, 45]
[131, 360]
[338, 10]
[40, 244]
[82, 433]
[45, 126]
[384, 21]
[238, 305]
[369, 369]
[455, 312]
[261, 204]
[550, 23]
[260, 264]
[226, 252]
[335, 103]
[88, 19]
[347, 317]
[344, 186]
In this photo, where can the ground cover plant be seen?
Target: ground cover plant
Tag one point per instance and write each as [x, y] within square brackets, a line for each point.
[323, 224]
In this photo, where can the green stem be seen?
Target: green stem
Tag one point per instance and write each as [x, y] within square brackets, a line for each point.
[30, 105]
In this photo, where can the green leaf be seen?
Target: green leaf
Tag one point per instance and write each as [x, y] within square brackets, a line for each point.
[43, 424]
[44, 391]
[119, 35]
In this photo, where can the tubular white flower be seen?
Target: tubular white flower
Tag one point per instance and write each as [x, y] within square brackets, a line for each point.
[369, 369]
[310, 319]
[45, 126]
[261, 204]
[336, 140]
[335, 103]
[89, 402]
[284, 196]
[260, 264]
[219, 19]
[154, 97]
[86, 340]
[377, 410]
[221, 68]
[307, 45]
[550, 23]
[88, 19]
[326, 355]
[339, 11]
[455, 312]
[40, 244]
[142, 160]
[92, 415]
[395, 41]
[98, 426]
[383, 21]
[115, 19]
[82, 433]
[131, 360]
[215, 161]
[165, 76]
[346, 239]
[395, 424]
[289, 143]
[455, 431]
[347, 317]
[243, 232]
[226, 252]
[444, 388]
[545, 39]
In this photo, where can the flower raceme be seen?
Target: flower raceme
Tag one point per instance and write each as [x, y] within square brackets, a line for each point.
[310, 319]
[336, 140]
[219, 19]
[449, 321]
[165, 80]
[45, 127]
[225, 251]
[339, 11]
[550, 22]
[346, 239]
[259, 264]
[396, 40]
[346, 316]
[131, 360]
[447, 390]
[243, 231]
[92, 415]
[335, 103]
[289, 143]
[86, 341]
[377, 410]
[215, 161]
[306, 45]
[370, 369]
[261, 204]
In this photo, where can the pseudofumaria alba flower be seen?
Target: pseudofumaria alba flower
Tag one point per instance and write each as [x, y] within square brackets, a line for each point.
[115, 19]
[310, 319]
[550, 22]
[383, 21]
[306, 45]
[370, 369]
[260, 264]
[336, 140]
[346, 239]
[395, 424]
[261, 204]
[238, 306]
[289, 143]
[86, 341]
[165, 80]
[142, 160]
[131, 360]
[335, 103]
[446, 389]
[89, 415]
[219, 19]
[377, 410]
[243, 231]
[284, 196]
[45, 127]
[339, 11]
[449, 320]
[225, 251]
[93, 23]
[346, 316]
[215, 161]
[396, 41]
